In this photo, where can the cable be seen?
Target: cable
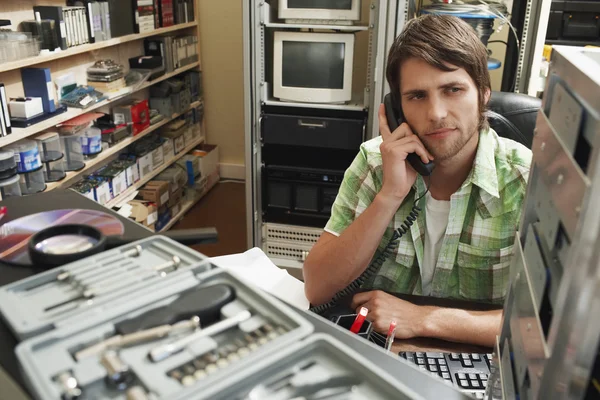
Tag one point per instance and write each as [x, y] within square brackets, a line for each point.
[498, 41]
[376, 264]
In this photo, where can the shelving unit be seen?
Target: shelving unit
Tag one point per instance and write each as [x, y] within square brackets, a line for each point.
[151, 176]
[27, 62]
[23, 133]
[76, 60]
[110, 153]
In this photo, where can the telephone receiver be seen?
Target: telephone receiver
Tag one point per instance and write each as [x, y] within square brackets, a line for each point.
[394, 119]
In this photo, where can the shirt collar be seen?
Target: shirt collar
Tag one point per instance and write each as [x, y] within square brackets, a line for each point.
[483, 174]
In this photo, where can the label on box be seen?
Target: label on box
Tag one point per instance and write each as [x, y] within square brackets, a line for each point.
[152, 218]
[119, 183]
[91, 145]
[179, 144]
[129, 175]
[28, 160]
[168, 152]
[103, 193]
[164, 198]
[145, 164]
[63, 30]
[119, 118]
[157, 158]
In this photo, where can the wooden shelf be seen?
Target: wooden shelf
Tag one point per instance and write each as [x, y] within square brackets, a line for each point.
[186, 206]
[112, 151]
[150, 176]
[90, 47]
[22, 133]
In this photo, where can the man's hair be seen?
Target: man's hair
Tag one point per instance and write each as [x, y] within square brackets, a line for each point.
[440, 40]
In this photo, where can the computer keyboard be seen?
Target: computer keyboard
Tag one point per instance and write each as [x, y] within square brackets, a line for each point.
[468, 371]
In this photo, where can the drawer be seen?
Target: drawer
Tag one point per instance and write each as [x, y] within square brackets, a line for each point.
[293, 130]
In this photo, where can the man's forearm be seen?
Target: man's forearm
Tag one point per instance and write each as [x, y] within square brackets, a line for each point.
[456, 325]
[331, 266]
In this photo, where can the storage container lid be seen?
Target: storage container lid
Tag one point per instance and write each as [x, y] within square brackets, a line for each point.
[22, 146]
[9, 181]
[7, 156]
[92, 132]
[48, 136]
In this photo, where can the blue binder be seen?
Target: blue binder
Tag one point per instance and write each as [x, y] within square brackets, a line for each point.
[37, 82]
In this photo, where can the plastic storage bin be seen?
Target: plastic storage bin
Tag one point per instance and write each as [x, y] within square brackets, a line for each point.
[71, 144]
[91, 142]
[52, 156]
[32, 182]
[10, 187]
[8, 165]
[26, 155]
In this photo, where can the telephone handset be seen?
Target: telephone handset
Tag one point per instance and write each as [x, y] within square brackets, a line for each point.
[394, 119]
[341, 300]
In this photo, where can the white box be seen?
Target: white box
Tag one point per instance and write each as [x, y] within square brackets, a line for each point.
[145, 165]
[158, 157]
[28, 108]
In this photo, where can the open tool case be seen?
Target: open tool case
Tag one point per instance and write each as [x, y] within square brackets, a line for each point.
[69, 351]
[301, 370]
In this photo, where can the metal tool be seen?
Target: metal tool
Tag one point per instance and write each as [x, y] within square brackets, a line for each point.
[162, 352]
[122, 341]
[69, 386]
[118, 374]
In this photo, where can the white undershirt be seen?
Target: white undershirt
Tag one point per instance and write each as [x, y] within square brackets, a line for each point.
[436, 221]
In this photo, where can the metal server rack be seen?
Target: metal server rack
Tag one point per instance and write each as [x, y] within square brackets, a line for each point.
[548, 348]
[288, 245]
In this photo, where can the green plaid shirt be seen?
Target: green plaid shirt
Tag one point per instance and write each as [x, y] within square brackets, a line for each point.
[474, 259]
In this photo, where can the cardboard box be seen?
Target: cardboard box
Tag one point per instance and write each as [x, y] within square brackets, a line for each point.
[156, 192]
[175, 198]
[175, 131]
[175, 175]
[188, 134]
[158, 157]
[144, 165]
[191, 164]
[135, 114]
[168, 149]
[209, 158]
[144, 212]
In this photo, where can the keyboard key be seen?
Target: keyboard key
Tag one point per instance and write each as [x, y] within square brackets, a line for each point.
[433, 368]
[475, 384]
[424, 368]
[443, 368]
[473, 376]
[441, 361]
[419, 354]
[461, 375]
[465, 356]
[435, 355]
[463, 383]
[446, 375]
[420, 361]
[455, 356]
[475, 356]
[467, 363]
[483, 376]
[431, 361]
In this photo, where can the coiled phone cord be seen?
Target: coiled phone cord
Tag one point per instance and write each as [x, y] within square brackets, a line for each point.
[376, 264]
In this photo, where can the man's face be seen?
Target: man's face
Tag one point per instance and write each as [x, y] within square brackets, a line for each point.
[440, 107]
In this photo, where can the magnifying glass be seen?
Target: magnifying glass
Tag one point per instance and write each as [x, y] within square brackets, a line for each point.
[62, 244]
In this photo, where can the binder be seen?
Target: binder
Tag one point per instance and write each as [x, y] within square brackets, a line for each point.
[37, 82]
[55, 13]
[89, 12]
[121, 17]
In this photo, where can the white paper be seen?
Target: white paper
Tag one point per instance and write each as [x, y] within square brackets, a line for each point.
[256, 268]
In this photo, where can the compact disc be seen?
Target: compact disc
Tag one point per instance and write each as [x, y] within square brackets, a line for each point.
[15, 235]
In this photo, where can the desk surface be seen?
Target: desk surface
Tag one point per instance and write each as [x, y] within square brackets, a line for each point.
[21, 206]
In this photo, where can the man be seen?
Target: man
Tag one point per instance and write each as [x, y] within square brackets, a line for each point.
[461, 243]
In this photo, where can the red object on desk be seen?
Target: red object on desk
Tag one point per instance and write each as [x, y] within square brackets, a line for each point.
[360, 318]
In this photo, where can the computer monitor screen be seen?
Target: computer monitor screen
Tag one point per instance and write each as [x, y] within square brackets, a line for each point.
[313, 65]
[320, 4]
[333, 10]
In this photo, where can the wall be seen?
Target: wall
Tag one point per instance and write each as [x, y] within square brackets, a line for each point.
[222, 69]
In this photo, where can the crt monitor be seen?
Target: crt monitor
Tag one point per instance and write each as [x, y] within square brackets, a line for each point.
[338, 10]
[313, 67]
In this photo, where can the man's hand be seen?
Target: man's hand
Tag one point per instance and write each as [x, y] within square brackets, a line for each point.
[398, 176]
[384, 308]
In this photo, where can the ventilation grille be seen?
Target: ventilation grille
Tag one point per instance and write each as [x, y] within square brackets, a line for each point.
[291, 234]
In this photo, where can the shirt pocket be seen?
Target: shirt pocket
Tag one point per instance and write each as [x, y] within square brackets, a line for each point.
[399, 271]
[483, 273]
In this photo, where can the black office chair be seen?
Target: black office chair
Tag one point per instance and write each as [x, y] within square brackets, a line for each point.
[513, 115]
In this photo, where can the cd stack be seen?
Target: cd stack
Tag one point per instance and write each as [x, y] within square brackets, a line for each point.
[106, 76]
